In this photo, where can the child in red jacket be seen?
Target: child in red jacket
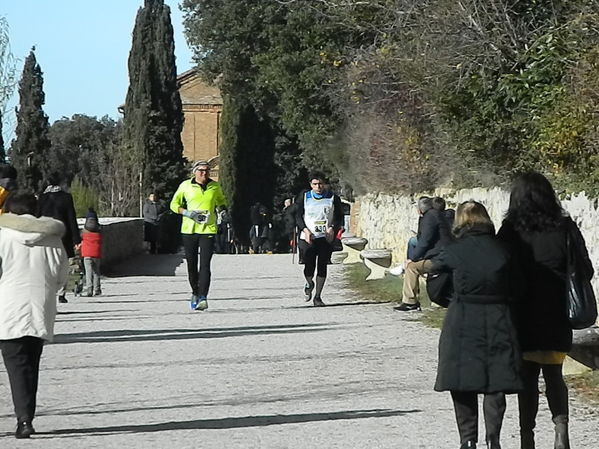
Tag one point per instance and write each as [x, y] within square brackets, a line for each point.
[91, 251]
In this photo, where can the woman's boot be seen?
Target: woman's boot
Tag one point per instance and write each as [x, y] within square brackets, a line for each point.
[493, 443]
[468, 445]
[562, 441]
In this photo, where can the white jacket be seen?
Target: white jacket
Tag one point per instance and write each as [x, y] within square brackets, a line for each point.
[33, 264]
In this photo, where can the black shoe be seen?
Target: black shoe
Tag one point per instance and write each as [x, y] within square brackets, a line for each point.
[62, 299]
[24, 430]
[318, 302]
[468, 445]
[404, 307]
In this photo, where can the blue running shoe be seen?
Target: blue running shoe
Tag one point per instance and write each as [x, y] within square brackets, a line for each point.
[202, 303]
[308, 287]
[194, 302]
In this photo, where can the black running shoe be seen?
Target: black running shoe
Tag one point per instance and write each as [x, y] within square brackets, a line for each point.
[318, 302]
[404, 307]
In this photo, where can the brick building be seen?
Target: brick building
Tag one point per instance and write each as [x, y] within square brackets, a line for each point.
[202, 107]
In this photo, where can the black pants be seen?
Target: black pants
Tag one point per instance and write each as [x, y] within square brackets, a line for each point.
[466, 414]
[151, 234]
[316, 254]
[199, 278]
[555, 390]
[22, 360]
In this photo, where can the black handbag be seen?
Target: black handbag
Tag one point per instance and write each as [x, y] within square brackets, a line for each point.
[439, 287]
[580, 297]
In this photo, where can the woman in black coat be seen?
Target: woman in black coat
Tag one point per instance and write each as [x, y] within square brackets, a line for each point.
[535, 227]
[478, 348]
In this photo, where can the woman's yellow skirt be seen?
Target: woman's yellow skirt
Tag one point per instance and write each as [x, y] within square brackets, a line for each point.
[545, 357]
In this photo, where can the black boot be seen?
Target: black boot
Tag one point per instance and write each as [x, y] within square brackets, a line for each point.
[562, 440]
[493, 443]
[468, 445]
[24, 430]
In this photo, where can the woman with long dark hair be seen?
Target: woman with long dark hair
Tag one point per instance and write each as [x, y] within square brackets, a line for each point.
[478, 347]
[535, 227]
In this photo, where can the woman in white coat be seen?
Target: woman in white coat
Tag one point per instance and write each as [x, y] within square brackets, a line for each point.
[33, 265]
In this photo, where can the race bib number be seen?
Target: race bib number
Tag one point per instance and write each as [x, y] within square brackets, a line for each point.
[320, 226]
[203, 217]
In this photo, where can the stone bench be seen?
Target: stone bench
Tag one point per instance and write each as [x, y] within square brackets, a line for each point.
[338, 257]
[377, 261]
[585, 347]
[352, 246]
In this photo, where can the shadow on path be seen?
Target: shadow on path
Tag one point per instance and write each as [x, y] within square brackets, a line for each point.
[130, 335]
[146, 265]
[234, 423]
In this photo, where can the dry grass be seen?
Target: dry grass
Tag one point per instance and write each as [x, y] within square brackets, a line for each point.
[587, 385]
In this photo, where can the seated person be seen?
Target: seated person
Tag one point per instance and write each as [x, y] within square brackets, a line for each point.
[433, 233]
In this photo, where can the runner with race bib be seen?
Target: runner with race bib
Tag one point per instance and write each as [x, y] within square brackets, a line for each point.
[198, 199]
[319, 216]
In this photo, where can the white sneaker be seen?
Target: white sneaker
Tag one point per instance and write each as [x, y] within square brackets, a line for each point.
[397, 270]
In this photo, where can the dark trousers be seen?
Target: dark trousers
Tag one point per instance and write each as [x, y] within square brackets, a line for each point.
[466, 414]
[555, 390]
[199, 278]
[22, 360]
[318, 254]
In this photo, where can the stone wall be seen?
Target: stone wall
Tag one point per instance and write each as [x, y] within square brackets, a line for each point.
[387, 221]
[121, 238]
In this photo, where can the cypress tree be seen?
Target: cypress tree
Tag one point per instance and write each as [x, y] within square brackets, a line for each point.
[246, 166]
[153, 114]
[29, 149]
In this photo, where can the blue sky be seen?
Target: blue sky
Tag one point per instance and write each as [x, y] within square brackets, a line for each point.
[82, 47]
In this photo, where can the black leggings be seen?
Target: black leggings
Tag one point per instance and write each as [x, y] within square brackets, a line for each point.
[199, 279]
[556, 392]
[319, 249]
[22, 361]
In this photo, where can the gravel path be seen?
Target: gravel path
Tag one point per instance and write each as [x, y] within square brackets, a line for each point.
[260, 369]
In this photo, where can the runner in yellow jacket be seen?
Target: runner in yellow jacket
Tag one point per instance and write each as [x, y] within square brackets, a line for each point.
[198, 199]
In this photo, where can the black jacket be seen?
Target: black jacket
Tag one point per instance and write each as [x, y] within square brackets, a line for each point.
[289, 219]
[541, 317]
[433, 234]
[478, 347]
[59, 205]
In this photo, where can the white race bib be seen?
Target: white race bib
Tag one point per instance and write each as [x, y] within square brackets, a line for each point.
[203, 217]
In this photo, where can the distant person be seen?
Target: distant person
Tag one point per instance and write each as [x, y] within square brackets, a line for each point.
[478, 347]
[260, 231]
[319, 215]
[91, 213]
[34, 266]
[440, 205]
[8, 182]
[153, 210]
[91, 251]
[225, 237]
[55, 202]
[433, 234]
[198, 199]
[289, 223]
[536, 227]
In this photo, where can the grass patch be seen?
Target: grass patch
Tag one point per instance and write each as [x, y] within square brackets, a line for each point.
[587, 385]
[433, 317]
[388, 289]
